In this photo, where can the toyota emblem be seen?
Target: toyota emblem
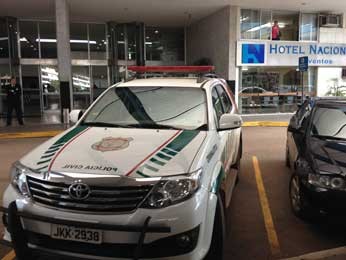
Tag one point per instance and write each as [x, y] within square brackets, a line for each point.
[79, 191]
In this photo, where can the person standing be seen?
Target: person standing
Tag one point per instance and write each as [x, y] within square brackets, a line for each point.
[276, 34]
[14, 102]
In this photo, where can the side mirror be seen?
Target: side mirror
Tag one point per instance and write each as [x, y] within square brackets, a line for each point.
[75, 115]
[229, 122]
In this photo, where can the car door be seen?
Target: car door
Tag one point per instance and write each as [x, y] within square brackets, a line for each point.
[232, 136]
[299, 120]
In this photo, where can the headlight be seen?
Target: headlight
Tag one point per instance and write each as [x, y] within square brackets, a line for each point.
[173, 190]
[18, 178]
[329, 182]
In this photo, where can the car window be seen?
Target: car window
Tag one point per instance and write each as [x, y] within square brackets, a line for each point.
[184, 108]
[225, 101]
[218, 109]
[329, 121]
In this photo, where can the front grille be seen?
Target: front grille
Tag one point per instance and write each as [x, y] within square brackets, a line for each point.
[101, 198]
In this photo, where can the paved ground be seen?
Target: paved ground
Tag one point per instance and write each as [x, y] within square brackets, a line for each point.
[248, 237]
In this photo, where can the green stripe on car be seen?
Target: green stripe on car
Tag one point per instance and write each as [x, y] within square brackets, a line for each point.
[54, 148]
[182, 140]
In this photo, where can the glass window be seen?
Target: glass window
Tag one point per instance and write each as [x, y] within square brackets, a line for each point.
[99, 79]
[288, 23]
[79, 41]
[29, 39]
[31, 89]
[217, 105]
[265, 31]
[5, 78]
[250, 24]
[121, 42]
[50, 88]
[272, 90]
[331, 82]
[164, 44]
[97, 40]
[226, 102]
[3, 39]
[308, 27]
[151, 108]
[48, 40]
[50, 79]
[329, 121]
[81, 87]
[131, 42]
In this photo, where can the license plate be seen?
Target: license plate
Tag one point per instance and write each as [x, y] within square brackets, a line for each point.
[76, 234]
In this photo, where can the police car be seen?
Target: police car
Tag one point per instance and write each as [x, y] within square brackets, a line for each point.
[146, 172]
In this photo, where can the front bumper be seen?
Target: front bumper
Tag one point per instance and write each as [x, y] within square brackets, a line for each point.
[145, 234]
[325, 200]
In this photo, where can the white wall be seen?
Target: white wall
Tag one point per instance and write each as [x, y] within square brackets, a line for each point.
[215, 37]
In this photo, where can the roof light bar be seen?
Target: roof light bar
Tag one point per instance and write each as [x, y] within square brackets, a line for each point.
[181, 69]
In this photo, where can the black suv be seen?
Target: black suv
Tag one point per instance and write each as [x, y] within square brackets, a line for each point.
[316, 153]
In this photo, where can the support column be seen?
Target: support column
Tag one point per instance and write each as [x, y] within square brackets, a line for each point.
[62, 14]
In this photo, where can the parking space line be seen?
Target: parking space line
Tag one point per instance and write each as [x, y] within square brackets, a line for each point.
[10, 256]
[268, 219]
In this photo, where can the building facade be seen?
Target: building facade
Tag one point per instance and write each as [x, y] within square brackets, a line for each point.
[62, 62]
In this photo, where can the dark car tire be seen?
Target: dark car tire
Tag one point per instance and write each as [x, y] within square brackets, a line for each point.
[219, 234]
[299, 203]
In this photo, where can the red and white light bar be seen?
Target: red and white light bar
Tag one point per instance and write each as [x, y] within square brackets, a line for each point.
[176, 69]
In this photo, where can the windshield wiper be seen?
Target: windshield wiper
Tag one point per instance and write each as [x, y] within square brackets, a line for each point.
[104, 124]
[327, 137]
[155, 126]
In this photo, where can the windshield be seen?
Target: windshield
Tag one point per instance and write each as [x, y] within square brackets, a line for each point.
[150, 107]
[329, 122]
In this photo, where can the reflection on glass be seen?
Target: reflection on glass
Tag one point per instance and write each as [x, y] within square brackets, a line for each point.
[121, 42]
[250, 24]
[3, 39]
[164, 44]
[5, 78]
[100, 80]
[329, 122]
[97, 34]
[80, 79]
[48, 40]
[131, 41]
[288, 23]
[308, 27]
[28, 39]
[31, 89]
[79, 41]
[50, 88]
[271, 90]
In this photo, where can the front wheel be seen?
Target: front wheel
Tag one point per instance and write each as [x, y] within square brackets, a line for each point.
[299, 203]
[219, 233]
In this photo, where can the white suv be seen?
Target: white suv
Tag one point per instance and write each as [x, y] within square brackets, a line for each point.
[146, 173]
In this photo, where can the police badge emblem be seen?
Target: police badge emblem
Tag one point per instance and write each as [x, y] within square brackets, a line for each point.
[112, 144]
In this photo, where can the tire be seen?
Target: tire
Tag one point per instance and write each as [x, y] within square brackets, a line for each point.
[299, 203]
[219, 234]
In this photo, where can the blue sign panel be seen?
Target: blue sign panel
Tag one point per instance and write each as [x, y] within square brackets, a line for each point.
[303, 63]
[253, 53]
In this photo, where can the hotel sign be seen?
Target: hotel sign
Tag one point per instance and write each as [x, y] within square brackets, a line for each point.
[280, 53]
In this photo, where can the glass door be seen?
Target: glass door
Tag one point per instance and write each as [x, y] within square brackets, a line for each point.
[31, 90]
[50, 90]
[81, 87]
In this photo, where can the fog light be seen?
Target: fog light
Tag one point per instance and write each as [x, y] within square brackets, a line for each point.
[337, 183]
[184, 241]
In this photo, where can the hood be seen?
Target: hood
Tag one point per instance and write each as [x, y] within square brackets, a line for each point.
[119, 151]
[328, 156]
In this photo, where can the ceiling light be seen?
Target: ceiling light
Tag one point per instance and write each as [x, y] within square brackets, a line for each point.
[156, 31]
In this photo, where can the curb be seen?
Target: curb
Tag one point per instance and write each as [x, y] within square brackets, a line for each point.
[43, 134]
